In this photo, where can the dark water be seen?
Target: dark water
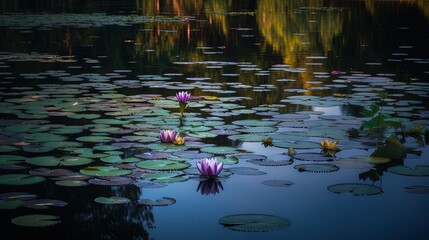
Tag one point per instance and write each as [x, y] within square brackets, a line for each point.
[326, 60]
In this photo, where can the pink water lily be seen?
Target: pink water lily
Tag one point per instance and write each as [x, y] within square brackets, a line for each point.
[209, 167]
[183, 96]
[167, 136]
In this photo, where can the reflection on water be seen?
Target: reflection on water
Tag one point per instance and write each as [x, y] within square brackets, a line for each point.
[308, 67]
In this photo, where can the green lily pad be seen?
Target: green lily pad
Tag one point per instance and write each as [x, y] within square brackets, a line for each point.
[117, 159]
[6, 148]
[106, 148]
[51, 161]
[20, 179]
[36, 220]
[316, 167]
[163, 165]
[11, 204]
[254, 222]
[112, 200]
[44, 203]
[16, 196]
[278, 183]
[230, 160]
[72, 183]
[43, 137]
[166, 147]
[83, 116]
[257, 129]
[219, 150]
[297, 145]
[164, 201]
[419, 170]
[357, 189]
[104, 171]
[246, 171]
[254, 123]
[11, 159]
[247, 137]
[166, 177]
[94, 139]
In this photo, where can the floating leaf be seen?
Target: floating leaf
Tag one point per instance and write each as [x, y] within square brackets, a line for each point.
[166, 177]
[36, 220]
[72, 183]
[315, 157]
[163, 165]
[278, 183]
[20, 179]
[316, 167]
[95, 139]
[44, 203]
[112, 200]
[254, 222]
[417, 189]
[254, 123]
[164, 201]
[357, 189]
[393, 149]
[110, 181]
[246, 171]
[11, 204]
[17, 196]
[104, 171]
[419, 170]
[219, 150]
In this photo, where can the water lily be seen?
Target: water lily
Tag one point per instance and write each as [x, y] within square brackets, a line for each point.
[209, 167]
[179, 140]
[267, 142]
[329, 145]
[167, 136]
[183, 97]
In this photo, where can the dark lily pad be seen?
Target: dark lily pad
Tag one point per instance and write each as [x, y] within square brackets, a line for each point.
[51, 161]
[357, 189]
[278, 183]
[20, 179]
[36, 220]
[316, 167]
[254, 222]
[417, 189]
[163, 165]
[166, 177]
[219, 150]
[72, 183]
[110, 181]
[11, 204]
[315, 157]
[112, 200]
[246, 171]
[44, 203]
[419, 170]
[164, 201]
[94, 139]
[17, 196]
[269, 162]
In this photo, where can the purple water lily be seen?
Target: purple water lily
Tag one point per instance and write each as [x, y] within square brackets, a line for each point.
[209, 167]
[167, 136]
[183, 96]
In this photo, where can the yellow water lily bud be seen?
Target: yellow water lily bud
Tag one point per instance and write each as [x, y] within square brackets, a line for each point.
[179, 140]
[329, 145]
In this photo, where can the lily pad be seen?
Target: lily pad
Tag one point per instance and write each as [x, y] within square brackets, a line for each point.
[219, 150]
[419, 170]
[246, 171]
[17, 196]
[11, 204]
[417, 189]
[163, 165]
[278, 183]
[51, 161]
[112, 200]
[94, 139]
[357, 189]
[20, 179]
[316, 167]
[254, 222]
[36, 220]
[164, 201]
[44, 203]
[72, 183]
[166, 177]
[104, 171]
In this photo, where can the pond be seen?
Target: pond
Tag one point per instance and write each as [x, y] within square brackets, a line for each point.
[316, 110]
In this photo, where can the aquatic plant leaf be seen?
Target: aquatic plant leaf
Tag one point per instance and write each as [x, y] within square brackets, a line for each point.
[6, 148]
[44, 203]
[278, 183]
[357, 189]
[164, 201]
[111, 181]
[316, 167]
[419, 170]
[36, 220]
[20, 179]
[166, 177]
[315, 157]
[392, 149]
[254, 222]
[94, 139]
[72, 183]
[17, 196]
[417, 189]
[163, 165]
[112, 200]
[247, 137]
[11, 204]
[11, 159]
[254, 123]
[246, 171]
[219, 150]
[270, 162]
[230, 160]
[117, 159]
[104, 171]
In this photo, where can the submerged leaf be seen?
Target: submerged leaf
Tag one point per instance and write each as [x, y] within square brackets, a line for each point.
[254, 222]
